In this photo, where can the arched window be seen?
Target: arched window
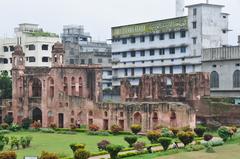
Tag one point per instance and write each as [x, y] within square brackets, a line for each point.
[236, 79]
[137, 118]
[73, 86]
[214, 80]
[51, 87]
[65, 87]
[90, 113]
[105, 113]
[36, 88]
[80, 87]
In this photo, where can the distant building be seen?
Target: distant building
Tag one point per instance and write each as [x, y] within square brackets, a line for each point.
[169, 46]
[36, 44]
[223, 64]
[81, 50]
[239, 40]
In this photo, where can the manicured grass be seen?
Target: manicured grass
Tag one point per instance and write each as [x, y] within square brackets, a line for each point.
[228, 151]
[59, 143]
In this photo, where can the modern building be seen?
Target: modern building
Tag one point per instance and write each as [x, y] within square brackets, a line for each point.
[36, 44]
[80, 49]
[223, 64]
[168, 46]
[239, 40]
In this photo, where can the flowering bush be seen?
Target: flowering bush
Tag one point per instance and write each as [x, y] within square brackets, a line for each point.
[81, 154]
[75, 147]
[200, 131]
[113, 150]
[103, 145]
[174, 131]
[115, 129]
[136, 128]
[73, 126]
[139, 146]
[153, 136]
[4, 125]
[53, 126]
[186, 137]
[207, 137]
[36, 125]
[48, 155]
[93, 127]
[8, 155]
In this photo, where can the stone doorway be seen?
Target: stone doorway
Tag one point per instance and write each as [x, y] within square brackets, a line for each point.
[61, 120]
[137, 118]
[121, 124]
[37, 115]
[105, 124]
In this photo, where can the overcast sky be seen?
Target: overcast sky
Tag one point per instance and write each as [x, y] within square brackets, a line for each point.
[98, 16]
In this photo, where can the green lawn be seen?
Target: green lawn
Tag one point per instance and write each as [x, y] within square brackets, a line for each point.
[59, 143]
[228, 151]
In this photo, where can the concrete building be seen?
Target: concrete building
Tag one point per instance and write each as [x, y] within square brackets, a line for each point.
[239, 40]
[36, 44]
[223, 64]
[168, 46]
[82, 50]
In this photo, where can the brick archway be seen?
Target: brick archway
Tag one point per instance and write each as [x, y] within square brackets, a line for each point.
[137, 118]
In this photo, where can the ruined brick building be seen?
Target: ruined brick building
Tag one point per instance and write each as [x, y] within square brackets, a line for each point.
[64, 94]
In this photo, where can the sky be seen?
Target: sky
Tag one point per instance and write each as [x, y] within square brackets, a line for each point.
[98, 16]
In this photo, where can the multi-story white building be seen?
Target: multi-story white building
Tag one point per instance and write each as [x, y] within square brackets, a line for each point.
[36, 44]
[167, 46]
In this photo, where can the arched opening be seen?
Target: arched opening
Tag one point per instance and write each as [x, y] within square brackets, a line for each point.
[106, 114]
[173, 119]
[65, 87]
[72, 113]
[155, 120]
[20, 86]
[137, 118]
[80, 87]
[73, 82]
[236, 79]
[50, 118]
[37, 115]
[214, 80]
[90, 113]
[169, 86]
[36, 88]
[51, 87]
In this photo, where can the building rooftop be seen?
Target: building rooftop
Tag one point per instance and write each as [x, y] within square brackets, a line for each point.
[204, 4]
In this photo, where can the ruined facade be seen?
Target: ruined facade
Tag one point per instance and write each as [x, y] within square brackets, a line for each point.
[64, 94]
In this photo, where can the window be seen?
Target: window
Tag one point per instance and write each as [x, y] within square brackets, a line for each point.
[163, 70]
[44, 59]
[44, 47]
[89, 61]
[133, 53]
[32, 59]
[11, 48]
[184, 70]
[214, 80]
[31, 47]
[71, 61]
[126, 72]
[132, 71]
[236, 79]
[194, 40]
[237, 64]
[109, 73]
[183, 34]
[171, 69]
[151, 37]
[82, 61]
[194, 25]
[172, 50]
[214, 66]
[5, 48]
[172, 60]
[5, 61]
[124, 41]
[224, 17]
[194, 11]
[144, 71]
[171, 35]
[151, 70]
[224, 31]
[124, 54]
[183, 49]
[161, 51]
[142, 53]
[142, 39]
[99, 60]
[10, 60]
[133, 39]
[161, 36]
[152, 52]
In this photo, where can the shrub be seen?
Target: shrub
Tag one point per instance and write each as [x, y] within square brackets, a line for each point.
[14, 142]
[53, 126]
[2, 144]
[139, 146]
[153, 136]
[186, 137]
[136, 128]
[75, 147]
[93, 127]
[4, 139]
[8, 155]
[165, 142]
[115, 129]
[98, 133]
[8, 119]
[200, 131]
[190, 148]
[209, 148]
[4, 126]
[23, 142]
[130, 140]
[214, 143]
[224, 133]
[113, 150]
[48, 155]
[186, 129]
[14, 127]
[29, 140]
[47, 130]
[103, 145]
[174, 131]
[165, 132]
[207, 137]
[81, 154]
[36, 125]
[26, 122]
[4, 131]
[73, 126]
[234, 129]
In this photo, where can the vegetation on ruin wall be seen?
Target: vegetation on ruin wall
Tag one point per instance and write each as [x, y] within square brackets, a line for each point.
[43, 34]
[5, 86]
[227, 100]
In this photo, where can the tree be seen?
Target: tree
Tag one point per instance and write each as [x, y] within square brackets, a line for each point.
[5, 86]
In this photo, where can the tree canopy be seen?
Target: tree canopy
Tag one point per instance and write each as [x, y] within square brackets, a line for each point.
[5, 86]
